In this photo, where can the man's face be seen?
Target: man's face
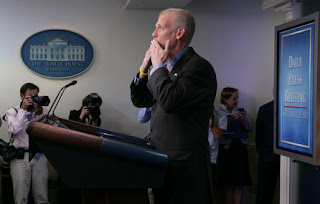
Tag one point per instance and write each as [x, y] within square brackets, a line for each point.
[164, 30]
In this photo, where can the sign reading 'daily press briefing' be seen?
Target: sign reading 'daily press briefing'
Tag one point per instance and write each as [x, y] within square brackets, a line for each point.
[295, 85]
[57, 53]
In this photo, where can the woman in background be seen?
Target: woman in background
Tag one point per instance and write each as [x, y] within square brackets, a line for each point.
[233, 164]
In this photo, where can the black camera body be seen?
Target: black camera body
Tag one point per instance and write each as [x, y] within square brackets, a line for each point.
[40, 100]
[8, 152]
[94, 110]
[241, 109]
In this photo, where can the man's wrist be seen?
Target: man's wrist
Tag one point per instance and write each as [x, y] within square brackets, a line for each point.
[143, 72]
[39, 110]
[156, 68]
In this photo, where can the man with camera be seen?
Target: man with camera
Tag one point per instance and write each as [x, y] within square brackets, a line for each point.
[89, 112]
[29, 164]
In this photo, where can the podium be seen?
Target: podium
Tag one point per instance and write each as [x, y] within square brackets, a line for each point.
[112, 167]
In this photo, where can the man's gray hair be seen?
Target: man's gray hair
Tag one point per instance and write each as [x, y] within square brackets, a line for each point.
[183, 19]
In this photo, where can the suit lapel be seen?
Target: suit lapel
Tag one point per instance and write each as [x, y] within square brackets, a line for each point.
[175, 72]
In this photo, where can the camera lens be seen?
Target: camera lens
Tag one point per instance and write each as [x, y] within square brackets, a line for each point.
[94, 111]
[40, 100]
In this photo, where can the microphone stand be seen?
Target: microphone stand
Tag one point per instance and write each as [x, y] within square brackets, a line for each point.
[58, 101]
[46, 118]
[61, 91]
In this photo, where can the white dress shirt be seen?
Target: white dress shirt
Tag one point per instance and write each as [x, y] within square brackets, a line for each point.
[17, 120]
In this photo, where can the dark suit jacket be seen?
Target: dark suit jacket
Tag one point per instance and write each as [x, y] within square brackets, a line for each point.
[182, 103]
[269, 162]
[264, 133]
[75, 116]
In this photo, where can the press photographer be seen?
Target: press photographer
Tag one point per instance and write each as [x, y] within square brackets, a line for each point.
[89, 112]
[29, 163]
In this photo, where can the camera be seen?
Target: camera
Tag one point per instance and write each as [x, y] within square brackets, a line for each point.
[8, 152]
[241, 109]
[40, 100]
[94, 111]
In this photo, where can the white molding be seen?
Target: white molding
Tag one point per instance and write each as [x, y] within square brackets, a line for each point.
[287, 9]
[155, 4]
[284, 180]
[272, 3]
[284, 6]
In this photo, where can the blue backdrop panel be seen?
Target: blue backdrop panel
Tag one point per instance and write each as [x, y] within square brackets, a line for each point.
[295, 104]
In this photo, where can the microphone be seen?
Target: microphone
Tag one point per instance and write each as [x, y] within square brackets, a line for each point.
[62, 89]
[71, 83]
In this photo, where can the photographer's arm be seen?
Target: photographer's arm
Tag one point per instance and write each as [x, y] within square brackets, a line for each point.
[75, 116]
[16, 120]
[84, 113]
[96, 121]
[38, 109]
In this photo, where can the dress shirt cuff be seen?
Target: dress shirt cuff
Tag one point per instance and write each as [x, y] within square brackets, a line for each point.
[138, 80]
[144, 115]
[161, 65]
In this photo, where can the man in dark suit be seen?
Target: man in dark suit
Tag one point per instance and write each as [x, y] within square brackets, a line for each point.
[181, 96]
[268, 163]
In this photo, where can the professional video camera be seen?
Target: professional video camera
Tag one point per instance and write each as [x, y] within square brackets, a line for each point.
[40, 100]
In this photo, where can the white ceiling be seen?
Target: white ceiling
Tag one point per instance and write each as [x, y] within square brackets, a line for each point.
[155, 4]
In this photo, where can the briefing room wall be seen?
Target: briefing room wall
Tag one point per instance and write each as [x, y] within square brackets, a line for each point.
[237, 38]
[119, 38]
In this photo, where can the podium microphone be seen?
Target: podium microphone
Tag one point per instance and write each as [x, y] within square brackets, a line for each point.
[62, 89]
[71, 83]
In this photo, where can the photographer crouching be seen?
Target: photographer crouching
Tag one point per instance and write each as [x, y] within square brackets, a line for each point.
[89, 112]
[29, 164]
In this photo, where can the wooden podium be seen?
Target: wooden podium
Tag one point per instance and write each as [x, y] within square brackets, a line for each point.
[109, 167]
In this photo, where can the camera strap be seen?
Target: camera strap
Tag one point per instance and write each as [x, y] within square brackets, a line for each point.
[5, 119]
